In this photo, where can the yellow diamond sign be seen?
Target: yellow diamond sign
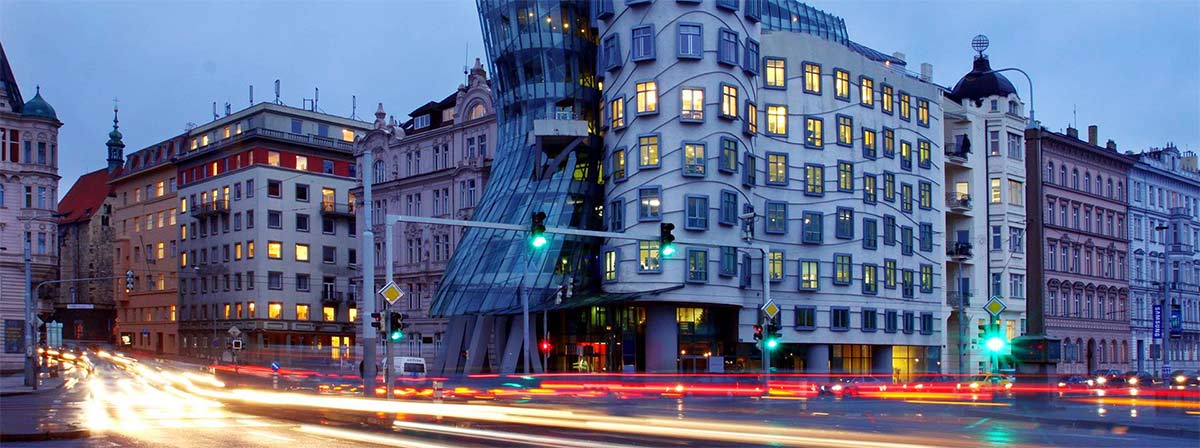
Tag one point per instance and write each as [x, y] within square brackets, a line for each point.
[391, 292]
[995, 306]
[770, 309]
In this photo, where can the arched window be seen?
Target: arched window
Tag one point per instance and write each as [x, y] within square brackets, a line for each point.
[379, 171]
[1099, 185]
[1087, 182]
[1075, 178]
[1062, 175]
[1120, 190]
[1110, 188]
[477, 111]
[1050, 172]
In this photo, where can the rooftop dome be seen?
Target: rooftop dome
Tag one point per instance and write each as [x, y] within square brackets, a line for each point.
[979, 84]
[38, 107]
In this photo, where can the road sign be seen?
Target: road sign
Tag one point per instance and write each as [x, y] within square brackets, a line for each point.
[234, 331]
[391, 292]
[81, 306]
[770, 309]
[1166, 372]
[995, 306]
[275, 365]
[1157, 321]
[236, 344]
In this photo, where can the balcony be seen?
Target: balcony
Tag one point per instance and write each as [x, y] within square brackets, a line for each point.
[958, 202]
[957, 152]
[959, 250]
[210, 209]
[952, 299]
[333, 297]
[1179, 248]
[337, 210]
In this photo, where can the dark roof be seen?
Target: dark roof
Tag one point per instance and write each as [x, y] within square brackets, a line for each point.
[86, 196]
[38, 107]
[979, 84]
[873, 54]
[435, 106]
[9, 82]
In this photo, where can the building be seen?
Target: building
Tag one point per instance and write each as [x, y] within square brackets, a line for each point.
[87, 309]
[28, 194]
[706, 112]
[1083, 197]
[438, 169]
[267, 236]
[146, 218]
[1164, 229]
[984, 134]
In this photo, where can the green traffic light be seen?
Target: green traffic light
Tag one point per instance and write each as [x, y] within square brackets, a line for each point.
[539, 241]
[396, 335]
[772, 343]
[994, 344]
[668, 250]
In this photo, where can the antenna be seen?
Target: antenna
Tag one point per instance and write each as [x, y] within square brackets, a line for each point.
[215, 116]
[980, 43]
[316, 97]
[466, 59]
[228, 108]
[251, 94]
[353, 107]
[277, 92]
[1074, 117]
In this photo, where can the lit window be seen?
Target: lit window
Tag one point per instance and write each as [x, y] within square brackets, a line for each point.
[328, 313]
[814, 130]
[905, 106]
[275, 310]
[301, 252]
[647, 97]
[887, 96]
[616, 111]
[273, 158]
[812, 78]
[274, 250]
[994, 191]
[866, 91]
[845, 130]
[618, 169]
[809, 274]
[814, 180]
[869, 193]
[870, 286]
[868, 139]
[301, 312]
[841, 269]
[923, 112]
[905, 155]
[650, 204]
[925, 195]
[776, 270]
[697, 265]
[889, 143]
[924, 154]
[729, 101]
[777, 168]
[1016, 195]
[204, 140]
[610, 265]
[776, 73]
[906, 198]
[751, 118]
[648, 151]
[841, 84]
[648, 256]
[693, 159]
[693, 104]
[347, 135]
[777, 120]
[845, 176]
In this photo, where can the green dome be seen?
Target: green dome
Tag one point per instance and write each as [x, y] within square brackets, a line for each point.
[38, 107]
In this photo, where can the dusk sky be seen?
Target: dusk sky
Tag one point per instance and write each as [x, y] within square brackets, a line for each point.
[1130, 67]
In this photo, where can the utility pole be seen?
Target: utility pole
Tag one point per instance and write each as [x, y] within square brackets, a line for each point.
[30, 319]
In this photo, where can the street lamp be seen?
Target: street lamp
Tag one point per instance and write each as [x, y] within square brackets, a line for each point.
[1162, 303]
[1031, 124]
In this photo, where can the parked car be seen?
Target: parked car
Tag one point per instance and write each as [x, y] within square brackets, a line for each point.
[1073, 382]
[1184, 378]
[1139, 379]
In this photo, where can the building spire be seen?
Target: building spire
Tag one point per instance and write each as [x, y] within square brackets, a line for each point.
[116, 147]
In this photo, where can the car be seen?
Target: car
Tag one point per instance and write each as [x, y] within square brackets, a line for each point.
[1142, 379]
[1106, 378]
[865, 385]
[1184, 378]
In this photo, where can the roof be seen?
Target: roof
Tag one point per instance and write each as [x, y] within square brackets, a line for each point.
[86, 196]
[9, 82]
[39, 108]
[981, 83]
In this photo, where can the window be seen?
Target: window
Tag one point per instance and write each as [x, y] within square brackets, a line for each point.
[616, 111]
[753, 10]
[650, 205]
[611, 52]
[845, 223]
[994, 191]
[923, 112]
[727, 47]
[692, 104]
[839, 319]
[870, 279]
[618, 165]
[905, 155]
[906, 198]
[777, 169]
[906, 240]
[889, 143]
[845, 176]
[866, 91]
[777, 118]
[926, 278]
[994, 143]
[647, 97]
[925, 195]
[301, 252]
[776, 73]
[1017, 286]
[729, 202]
[728, 261]
[812, 78]
[870, 234]
[749, 170]
[301, 222]
[697, 213]
[889, 273]
[907, 283]
[273, 156]
[250, 188]
[274, 219]
[926, 323]
[809, 275]
[813, 231]
[868, 144]
[870, 195]
[806, 316]
[845, 130]
[303, 283]
[841, 269]
[616, 215]
[648, 256]
[926, 237]
[275, 280]
[890, 321]
[750, 58]
[301, 312]
[690, 41]
[274, 250]
[729, 155]
[841, 84]
[870, 320]
[648, 150]
[1015, 150]
[328, 254]
[697, 265]
[751, 123]
[694, 162]
[1016, 192]
[776, 217]
[924, 154]
[775, 266]
[610, 265]
[905, 106]
[886, 94]
[814, 180]
[274, 188]
[643, 43]
[729, 101]
[814, 131]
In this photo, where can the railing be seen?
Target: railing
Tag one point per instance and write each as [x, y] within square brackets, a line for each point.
[958, 201]
[210, 208]
[1180, 248]
[331, 296]
[271, 133]
[956, 154]
[959, 249]
[337, 208]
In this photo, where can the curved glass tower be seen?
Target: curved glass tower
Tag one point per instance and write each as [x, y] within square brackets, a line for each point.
[543, 57]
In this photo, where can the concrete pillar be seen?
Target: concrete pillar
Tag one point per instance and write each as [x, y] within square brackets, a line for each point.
[662, 339]
[881, 362]
[816, 362]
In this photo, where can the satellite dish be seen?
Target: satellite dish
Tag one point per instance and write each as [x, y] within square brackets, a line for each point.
[980, 43]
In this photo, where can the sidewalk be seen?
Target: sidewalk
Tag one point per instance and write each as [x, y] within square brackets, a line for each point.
[50, 413]
[1139, 419]
[15, 384]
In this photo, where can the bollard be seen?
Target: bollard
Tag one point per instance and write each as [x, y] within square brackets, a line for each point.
[275, 381]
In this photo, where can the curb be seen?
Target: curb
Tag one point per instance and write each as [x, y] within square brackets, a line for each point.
[41, 436]
[1090, 424]
[31, 392]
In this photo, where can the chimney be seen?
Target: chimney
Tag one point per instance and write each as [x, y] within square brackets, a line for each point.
[926, 72]
[1072, 132]
[1111, 145]
[1093, 135]
[899, 55]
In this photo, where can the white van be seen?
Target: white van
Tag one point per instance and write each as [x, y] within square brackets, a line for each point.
[408, 366]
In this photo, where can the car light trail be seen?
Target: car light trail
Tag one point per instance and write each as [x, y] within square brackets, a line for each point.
[501, 436]
[359, 436]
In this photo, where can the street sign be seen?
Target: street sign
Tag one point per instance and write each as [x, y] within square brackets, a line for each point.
[234, 331]
[1166, 372]
[1157, 321]
[80, 306]
[236, 344]
[275, 365]
[995, 306]
[770, 309]
[391, 292]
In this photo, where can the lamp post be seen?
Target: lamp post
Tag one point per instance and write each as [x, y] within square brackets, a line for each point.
[1162, 301]
[1032, 122]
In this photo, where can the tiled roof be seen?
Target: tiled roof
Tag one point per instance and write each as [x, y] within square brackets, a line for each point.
[86, 196]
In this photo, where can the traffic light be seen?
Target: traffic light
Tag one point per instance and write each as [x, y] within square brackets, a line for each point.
[537, 230]
[994, 340]
[545, 346]
[396, 326]
[128, 281]
[666, 241]
[995, 343]
[758, 332]
[773, 336]
[377, 321]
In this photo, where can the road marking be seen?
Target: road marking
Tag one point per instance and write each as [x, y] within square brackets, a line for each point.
[980, 422]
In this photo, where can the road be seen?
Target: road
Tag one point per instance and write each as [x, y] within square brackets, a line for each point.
[126, 404]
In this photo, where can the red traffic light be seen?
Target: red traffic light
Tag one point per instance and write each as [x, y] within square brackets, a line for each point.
[545, 345]
[758, 332]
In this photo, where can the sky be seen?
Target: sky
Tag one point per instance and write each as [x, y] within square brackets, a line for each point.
[1129, 67]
